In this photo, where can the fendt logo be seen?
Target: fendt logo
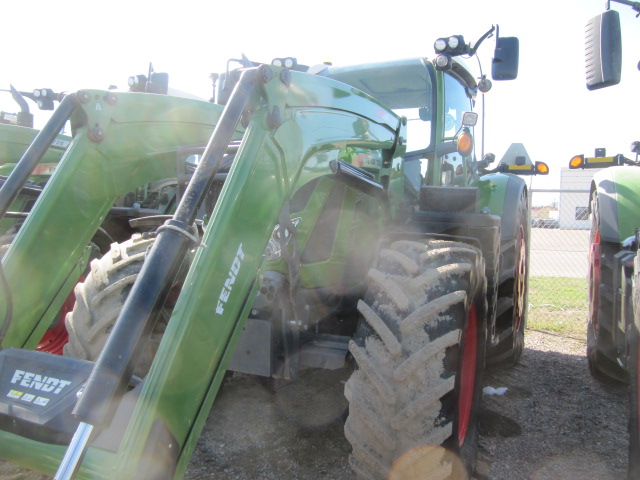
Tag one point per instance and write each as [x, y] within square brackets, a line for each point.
[38, 382]
[231, 279]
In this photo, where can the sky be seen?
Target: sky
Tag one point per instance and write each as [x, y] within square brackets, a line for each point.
[67, 45]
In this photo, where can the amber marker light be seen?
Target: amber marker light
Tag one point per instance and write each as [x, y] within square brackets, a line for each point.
[577, 161]
[542, 168]
[465, 143]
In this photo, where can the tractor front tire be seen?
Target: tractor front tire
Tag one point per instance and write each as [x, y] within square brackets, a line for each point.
[99, 300]
[420, 354]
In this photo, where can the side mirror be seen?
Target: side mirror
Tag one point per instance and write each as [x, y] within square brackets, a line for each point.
[603, 50]
[504, 65]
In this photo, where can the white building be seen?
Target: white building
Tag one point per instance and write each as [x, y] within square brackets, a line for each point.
[574, 197]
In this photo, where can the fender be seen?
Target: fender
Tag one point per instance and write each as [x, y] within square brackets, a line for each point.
[499, 193]
[617, 189]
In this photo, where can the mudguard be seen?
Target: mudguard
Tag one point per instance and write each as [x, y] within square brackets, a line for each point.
[500, 194]
[617, 189]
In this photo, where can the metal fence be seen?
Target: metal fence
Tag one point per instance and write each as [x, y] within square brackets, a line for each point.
[559, 256]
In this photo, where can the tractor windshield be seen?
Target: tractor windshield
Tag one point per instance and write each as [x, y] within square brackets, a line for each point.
[405, 86]
[456, 102]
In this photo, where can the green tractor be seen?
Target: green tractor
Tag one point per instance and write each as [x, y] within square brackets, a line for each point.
[614, 265]
[612, 324]
[17, 134]
[330, 216]
[614, 219]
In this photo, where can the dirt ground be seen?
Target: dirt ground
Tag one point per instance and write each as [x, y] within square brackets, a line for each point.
[553, 422]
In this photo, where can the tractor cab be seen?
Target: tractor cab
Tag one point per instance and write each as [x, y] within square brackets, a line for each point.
[440, 137]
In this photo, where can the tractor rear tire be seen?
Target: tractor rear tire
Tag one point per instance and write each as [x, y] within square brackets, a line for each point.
[634, 403]
[602, 352]
[633, 363]
[513, 287]
[99, 300]
[420, 352]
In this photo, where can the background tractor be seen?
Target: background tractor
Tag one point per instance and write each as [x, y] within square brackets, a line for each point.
[614, 300]
[325, 217]
[17, 134]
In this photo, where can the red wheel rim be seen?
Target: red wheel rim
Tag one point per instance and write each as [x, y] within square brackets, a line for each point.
[54, 339]
[468, 375]
[594, 281]
[520, 286]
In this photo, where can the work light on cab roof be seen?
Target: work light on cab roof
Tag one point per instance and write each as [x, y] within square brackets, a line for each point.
[504, 65]
[44, 97]
[287, 62]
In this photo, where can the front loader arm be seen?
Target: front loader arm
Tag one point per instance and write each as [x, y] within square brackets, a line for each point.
[275, 158]
[297, 126]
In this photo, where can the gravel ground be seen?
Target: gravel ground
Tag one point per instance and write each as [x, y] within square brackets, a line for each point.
[554, 422]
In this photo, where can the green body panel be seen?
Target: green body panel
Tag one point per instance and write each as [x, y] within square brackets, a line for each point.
[618, 191]
[358, 221]
[493, 188]
[319, 117]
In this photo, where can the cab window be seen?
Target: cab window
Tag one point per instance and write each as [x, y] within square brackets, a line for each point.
[456, 102]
